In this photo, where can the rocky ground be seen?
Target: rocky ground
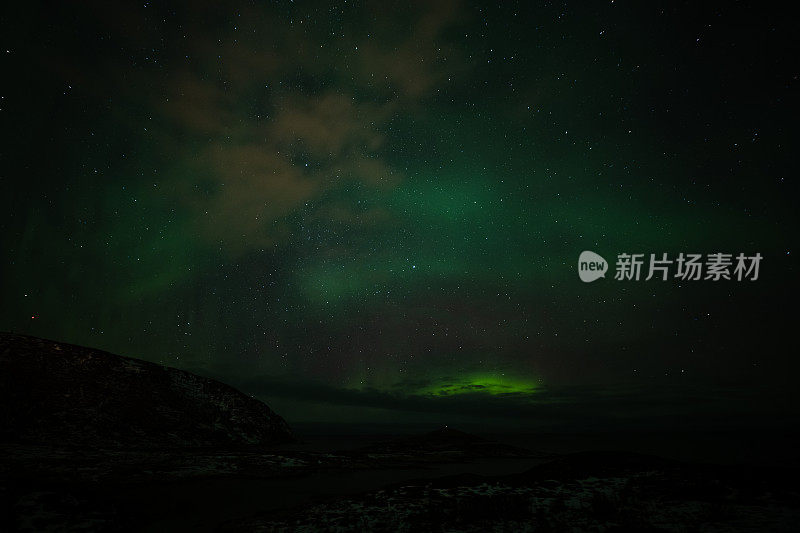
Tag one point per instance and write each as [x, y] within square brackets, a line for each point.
[580, 492]
[601, 491]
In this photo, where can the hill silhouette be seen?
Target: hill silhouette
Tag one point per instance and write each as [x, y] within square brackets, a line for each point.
[52, 393]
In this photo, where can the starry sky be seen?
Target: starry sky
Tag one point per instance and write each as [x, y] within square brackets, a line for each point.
[371, 212]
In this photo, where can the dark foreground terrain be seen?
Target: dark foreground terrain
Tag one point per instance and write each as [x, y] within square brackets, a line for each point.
[171, 451]
[54, 392]
[205, 490]
[602, 491]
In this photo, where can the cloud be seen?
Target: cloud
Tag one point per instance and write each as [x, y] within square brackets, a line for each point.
[423, 56]
[299, 140]
[255, 188]
[196, 106]
[267, 109]
[329, 124]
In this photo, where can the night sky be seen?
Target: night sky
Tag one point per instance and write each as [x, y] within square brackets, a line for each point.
[372, 212]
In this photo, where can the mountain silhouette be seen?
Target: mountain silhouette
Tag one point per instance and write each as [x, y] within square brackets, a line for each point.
[53, 393]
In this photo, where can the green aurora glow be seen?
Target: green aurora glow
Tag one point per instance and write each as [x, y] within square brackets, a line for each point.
[391, 200]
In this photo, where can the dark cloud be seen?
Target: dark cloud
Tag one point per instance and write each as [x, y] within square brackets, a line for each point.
[258, 107]
[305, 141]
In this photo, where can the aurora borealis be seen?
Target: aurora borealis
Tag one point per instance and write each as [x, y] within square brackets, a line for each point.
[378, 207]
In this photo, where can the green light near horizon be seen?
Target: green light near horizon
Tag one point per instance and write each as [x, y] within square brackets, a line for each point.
[490, 384]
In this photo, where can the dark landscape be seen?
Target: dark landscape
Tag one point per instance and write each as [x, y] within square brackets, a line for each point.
[83, 448]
